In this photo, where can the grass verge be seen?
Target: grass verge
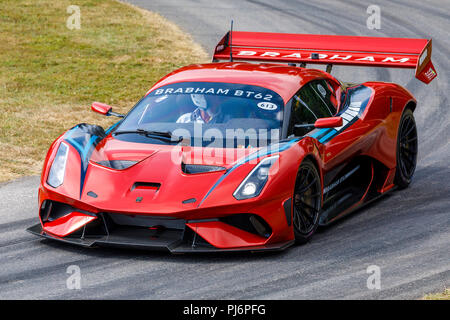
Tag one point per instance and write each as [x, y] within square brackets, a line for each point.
[50, 74]
[444, 295]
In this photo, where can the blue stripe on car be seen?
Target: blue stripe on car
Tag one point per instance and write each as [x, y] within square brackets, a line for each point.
[328, 135]
[261, 153]
[84, 150]
[358, 99]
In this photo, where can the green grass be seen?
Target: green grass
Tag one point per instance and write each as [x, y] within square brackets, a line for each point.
[49, 74]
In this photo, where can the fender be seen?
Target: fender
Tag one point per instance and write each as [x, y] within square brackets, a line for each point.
[385, 112]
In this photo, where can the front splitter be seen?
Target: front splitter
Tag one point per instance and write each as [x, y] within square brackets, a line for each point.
[133, 238]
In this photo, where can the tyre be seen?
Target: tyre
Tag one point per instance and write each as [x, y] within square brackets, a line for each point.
[307, 202]
[406, 149]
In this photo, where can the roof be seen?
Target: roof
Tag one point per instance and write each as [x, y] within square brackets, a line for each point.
[283, 79]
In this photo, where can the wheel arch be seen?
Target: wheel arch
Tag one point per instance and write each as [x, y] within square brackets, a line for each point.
[313, 158]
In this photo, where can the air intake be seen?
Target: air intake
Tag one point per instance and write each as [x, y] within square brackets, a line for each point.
[198, 168]
[117, 164]
[146, 185]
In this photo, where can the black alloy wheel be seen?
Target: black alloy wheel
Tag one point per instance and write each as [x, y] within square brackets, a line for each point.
[407, 147]
[307, 202]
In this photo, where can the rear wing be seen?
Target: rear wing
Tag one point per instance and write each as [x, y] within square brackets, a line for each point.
[329, 49]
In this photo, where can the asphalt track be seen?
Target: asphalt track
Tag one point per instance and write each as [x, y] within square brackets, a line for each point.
[406, 234]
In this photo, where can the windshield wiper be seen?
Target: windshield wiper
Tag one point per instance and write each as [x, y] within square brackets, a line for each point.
[148, 133]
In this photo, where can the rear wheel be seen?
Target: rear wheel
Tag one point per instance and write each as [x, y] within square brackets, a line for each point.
[307, 202]
[406, 149]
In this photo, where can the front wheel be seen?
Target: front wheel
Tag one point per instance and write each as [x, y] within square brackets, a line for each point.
[307, 202]
[406, 149]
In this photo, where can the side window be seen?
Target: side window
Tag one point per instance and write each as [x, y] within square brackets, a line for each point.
[309, 104]
[327, 94]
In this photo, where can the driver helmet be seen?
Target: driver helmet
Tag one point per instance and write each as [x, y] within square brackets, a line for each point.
[199, 101]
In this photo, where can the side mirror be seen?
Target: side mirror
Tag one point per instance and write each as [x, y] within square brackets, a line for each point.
[330, 122]
[105, 109]
[101, 108]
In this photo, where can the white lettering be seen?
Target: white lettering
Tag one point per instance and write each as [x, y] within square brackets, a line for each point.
[293, 55]
[222, 91]
[369, 58]
[246, 53]
[393, 60]
[336, 56]
[270, 54]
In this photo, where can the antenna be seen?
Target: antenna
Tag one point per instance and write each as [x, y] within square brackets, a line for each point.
[231, 38]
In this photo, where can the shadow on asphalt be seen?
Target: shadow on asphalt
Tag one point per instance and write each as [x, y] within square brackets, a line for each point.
[136, 254]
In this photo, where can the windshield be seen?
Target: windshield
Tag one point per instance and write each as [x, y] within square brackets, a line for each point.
[207, 114]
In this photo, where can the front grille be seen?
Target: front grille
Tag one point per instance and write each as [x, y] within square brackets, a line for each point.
[146, 221]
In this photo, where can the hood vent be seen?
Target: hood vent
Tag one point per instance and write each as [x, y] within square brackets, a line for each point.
[117, 164]
[198, 168]
[146, 185]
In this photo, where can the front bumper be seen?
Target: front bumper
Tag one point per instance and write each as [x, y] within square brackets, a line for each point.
[236, 232]
[137, 238]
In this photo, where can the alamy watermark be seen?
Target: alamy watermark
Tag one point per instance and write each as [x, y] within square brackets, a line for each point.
[374, 280]
[374, 19]
[74, 20]
[213, 146]
[73, 282]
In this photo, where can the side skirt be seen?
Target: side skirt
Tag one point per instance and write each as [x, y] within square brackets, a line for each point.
[366, 201]
[361, 188]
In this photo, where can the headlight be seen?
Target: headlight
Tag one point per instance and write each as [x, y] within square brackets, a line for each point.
[255, 180]
[57, 170]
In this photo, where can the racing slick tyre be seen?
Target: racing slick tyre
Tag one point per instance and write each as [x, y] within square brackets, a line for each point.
[406, 149]
[307, 202]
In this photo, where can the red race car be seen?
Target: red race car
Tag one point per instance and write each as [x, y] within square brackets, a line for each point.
[238, 155]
